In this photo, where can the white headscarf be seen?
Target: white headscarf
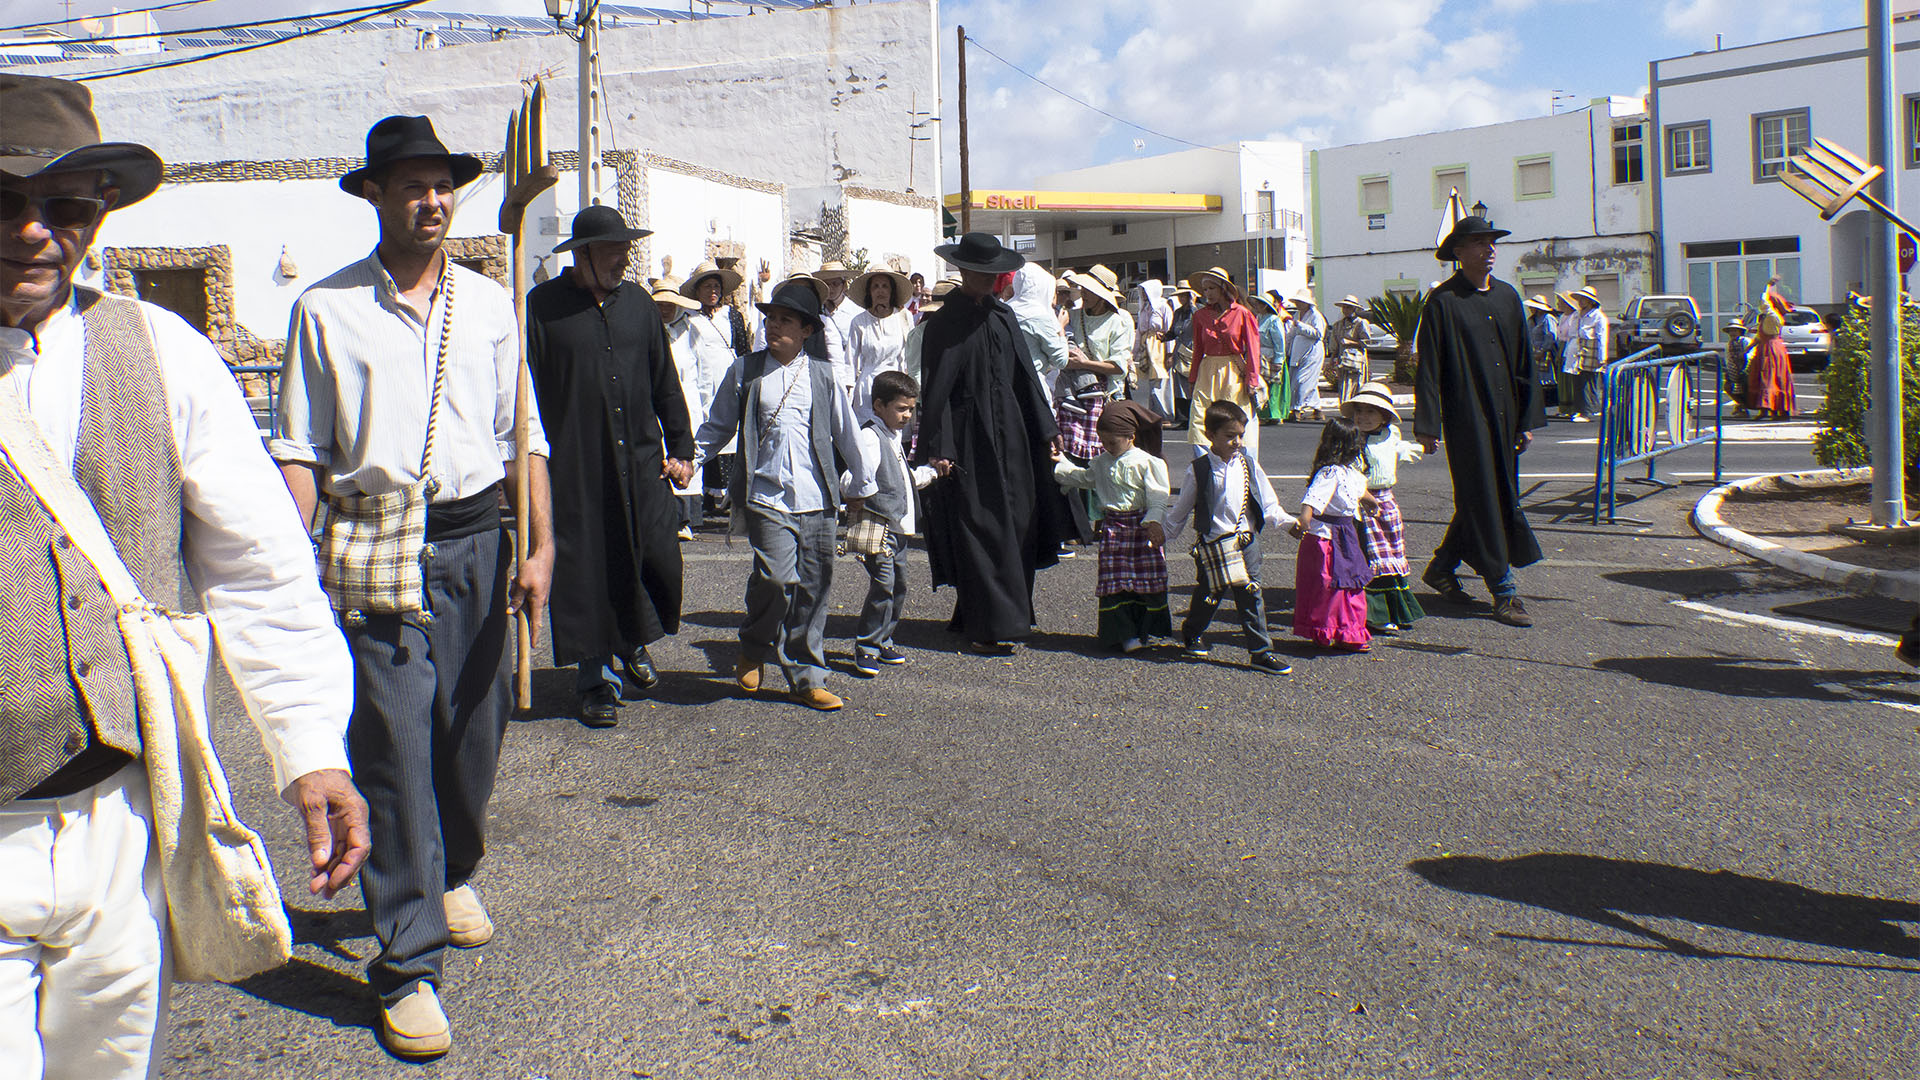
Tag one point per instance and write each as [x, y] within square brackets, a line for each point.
[1033, 290]
[1152, 311]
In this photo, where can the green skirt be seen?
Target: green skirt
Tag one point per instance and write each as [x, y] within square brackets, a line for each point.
[1279, 398]
[1128, 615]
[1389, 600]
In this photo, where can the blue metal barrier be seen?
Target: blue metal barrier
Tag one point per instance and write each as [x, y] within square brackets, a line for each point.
[271, 373]
[1636, 394]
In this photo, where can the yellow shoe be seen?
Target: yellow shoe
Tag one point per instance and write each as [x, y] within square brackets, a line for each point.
[467, 924]
[746, 675]
[814, 697]
[415, 1027]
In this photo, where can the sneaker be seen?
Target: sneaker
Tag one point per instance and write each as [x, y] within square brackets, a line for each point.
[1509, 610]
[1269, 664]
[865, 664]
[1067, 552]
[415, 1027]
[1582, 418]
[1132, 645]
[815, 697]
[685, 533]
[890, 655]
[1195, 646]
[600, 707]
[1446, 584]
[468, 926]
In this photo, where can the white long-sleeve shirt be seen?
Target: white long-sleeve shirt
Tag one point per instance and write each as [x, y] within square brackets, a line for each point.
[1230, 480]
[875, 446]
[875, 345]
[242, 542]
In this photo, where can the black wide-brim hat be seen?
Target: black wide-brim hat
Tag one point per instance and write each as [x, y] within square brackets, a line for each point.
[798, 297]
[599, 224]
[401, 138]
[49, 127]
[1471, 225]
[980, 252]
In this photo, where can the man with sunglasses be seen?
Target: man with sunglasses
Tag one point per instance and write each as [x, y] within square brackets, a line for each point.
[144, 412]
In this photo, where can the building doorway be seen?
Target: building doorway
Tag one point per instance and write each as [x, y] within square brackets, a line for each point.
[180, 289]
[1726, 277]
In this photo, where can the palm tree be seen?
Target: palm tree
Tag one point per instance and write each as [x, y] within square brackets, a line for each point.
[1400, 314]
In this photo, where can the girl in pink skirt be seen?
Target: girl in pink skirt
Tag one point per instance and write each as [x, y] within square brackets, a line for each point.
[1330, 578]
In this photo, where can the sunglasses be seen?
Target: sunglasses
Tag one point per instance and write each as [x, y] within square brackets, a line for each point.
[57, 211]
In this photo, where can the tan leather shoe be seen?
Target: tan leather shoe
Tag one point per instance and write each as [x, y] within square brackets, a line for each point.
[746, 675]
[814, 697]
[415, 1027]
[467, 924]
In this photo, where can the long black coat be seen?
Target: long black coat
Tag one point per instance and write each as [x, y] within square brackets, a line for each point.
[1474, 387]
[999, 516]
[611, 404]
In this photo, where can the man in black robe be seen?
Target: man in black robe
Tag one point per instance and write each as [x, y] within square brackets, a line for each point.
[995, 517]
[1474, 385]
[604, 375]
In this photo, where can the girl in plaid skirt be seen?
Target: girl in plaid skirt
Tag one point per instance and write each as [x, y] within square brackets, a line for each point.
[1391, 605]
[1129, 482]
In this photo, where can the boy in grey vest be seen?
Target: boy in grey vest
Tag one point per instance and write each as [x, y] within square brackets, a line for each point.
[895, 395]
[791, 416]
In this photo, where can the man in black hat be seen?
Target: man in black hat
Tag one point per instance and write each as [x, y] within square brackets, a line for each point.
[997, 517]
[611, 398]
[137, 407]
[1474, 384]
[791, 414]
[398, 389]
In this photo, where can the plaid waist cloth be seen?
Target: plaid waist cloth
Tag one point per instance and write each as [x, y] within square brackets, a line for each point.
[1077, 421]
[371, 547]
[1127, 562]
[1385, 538]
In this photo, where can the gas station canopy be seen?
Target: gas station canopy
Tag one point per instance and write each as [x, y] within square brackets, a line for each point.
[1036, 213]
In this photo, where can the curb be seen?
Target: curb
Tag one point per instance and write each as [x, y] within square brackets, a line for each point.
[1866, 580]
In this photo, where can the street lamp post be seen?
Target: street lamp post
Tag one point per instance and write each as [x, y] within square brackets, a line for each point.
[586, 31]
[1479, 209]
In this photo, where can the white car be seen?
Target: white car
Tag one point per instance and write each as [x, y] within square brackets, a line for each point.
[1807, 336]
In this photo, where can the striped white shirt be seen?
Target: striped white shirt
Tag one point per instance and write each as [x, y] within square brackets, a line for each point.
[358, 378]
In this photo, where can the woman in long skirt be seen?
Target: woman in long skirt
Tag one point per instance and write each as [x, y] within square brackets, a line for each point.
[1770, 372]
[1226, 353]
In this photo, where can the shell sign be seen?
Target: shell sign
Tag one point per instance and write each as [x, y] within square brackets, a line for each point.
[1028, 201]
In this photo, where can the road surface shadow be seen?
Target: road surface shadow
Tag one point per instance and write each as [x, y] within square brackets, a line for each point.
[1605, 891]
[307, 987]
[1754, 677]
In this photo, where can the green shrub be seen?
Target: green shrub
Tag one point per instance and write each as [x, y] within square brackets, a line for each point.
[1842, 441]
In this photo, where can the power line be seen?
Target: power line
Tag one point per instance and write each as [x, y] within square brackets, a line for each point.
[374, 14]
[1090, 105]
[202, 31]
[136, 11]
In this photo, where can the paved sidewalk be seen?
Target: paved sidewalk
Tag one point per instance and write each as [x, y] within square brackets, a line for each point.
[1810, 554]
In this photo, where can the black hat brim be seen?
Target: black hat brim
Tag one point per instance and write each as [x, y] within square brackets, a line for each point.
[615, 237]
[1445, 252]
[1000, 264]
[771, 306]
[464, 167]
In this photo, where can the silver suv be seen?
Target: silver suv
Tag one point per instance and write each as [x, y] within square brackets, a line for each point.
[1670, 322]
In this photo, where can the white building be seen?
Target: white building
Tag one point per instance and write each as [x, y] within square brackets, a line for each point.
[1241, 206]
[1728, 120]
[1574, 189]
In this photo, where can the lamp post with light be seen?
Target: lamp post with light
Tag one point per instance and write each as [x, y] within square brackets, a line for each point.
[585, 29]
[1479, 207]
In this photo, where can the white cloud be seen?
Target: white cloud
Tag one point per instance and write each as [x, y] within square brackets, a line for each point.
[1741, 22]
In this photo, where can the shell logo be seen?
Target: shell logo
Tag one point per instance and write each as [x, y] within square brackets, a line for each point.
[1013, 202]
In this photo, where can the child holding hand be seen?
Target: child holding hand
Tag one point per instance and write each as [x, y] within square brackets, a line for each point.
[1330, 600]
[1391, 605]
[1129, 482]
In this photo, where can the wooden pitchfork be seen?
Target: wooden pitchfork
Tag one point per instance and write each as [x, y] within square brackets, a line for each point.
[527, 173]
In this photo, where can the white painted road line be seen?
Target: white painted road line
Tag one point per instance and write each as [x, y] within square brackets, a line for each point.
[1788, 626]
[1587, 475]
[1901, 705]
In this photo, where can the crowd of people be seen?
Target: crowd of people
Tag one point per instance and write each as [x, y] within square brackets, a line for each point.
[363, 592]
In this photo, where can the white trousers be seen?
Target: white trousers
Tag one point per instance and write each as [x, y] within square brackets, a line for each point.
[82, 981]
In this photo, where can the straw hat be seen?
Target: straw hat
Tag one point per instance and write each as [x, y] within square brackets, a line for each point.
[1584, 293]
[1256, 298]
[819, 287]
[1304, 298]
[1539, 302]
[940, 290]
[1102, 283]
[902, 288]
[1218, 273]
[1181, 287]
[831, 269]
[1770, 324]
[729, 279]
[1351, 301]
[666, 290]
[1376, 394]
[1566, 297]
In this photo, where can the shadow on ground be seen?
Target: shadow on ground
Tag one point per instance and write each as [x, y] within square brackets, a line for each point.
[307, 987]
[1606, 891]
[1754, 677]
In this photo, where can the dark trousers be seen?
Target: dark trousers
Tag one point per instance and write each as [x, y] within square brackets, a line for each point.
[1251, 599]
[886, 597]
[1446, 559]
[430, 707]
[787, 593]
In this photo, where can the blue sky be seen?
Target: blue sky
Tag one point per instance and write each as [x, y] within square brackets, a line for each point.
[1327, 72]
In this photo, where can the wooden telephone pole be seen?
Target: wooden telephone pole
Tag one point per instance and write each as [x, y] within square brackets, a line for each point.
[966, 182]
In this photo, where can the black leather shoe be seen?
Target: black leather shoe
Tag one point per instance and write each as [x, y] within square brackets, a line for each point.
[1446, 584]
[639, 673]
[599, 708]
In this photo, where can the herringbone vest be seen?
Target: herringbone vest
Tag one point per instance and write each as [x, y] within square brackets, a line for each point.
[64, 673]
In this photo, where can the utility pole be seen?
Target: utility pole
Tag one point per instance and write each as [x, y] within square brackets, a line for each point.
[966, 181]
[589, 103]
[1883, 277]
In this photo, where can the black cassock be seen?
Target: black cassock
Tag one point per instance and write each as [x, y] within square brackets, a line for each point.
[998, 517]
[1474, 388]
[611, 404]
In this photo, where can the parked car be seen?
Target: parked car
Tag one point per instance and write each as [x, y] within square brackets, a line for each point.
[1670, 322]
[1381, 340]
[1807, 337]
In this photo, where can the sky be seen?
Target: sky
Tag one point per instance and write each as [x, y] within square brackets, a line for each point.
[1325, 72]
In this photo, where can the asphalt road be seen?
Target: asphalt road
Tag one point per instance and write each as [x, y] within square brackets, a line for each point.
[1657, 835]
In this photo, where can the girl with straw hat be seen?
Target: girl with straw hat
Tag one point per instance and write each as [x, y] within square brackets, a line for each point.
[1391, 605]
[1226, 353]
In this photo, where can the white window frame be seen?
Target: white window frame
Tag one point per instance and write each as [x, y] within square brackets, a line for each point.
[1766, 170]
[1440, 190]
[1519, 166]
[1700, 143]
